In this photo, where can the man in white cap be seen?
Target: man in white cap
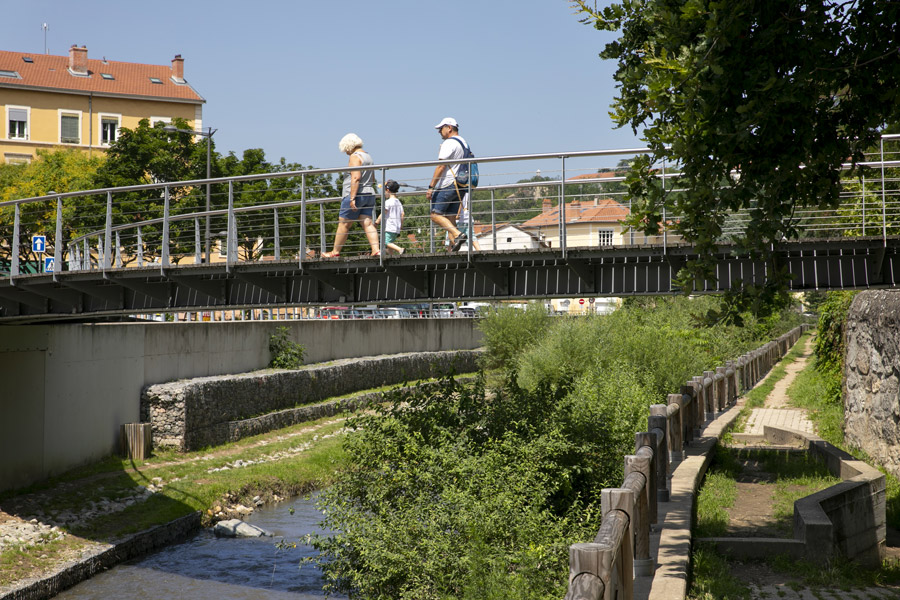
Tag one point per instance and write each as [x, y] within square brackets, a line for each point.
[445, 196]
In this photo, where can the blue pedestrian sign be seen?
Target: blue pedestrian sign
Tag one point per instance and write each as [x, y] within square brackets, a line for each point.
[49, 264]
[39, 243]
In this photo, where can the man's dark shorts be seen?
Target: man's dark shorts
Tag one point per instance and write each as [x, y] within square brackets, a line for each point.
[445, 201]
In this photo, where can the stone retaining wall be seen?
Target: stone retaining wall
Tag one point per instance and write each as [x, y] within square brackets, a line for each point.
[872, 376]
[205, 411]
[104, 558]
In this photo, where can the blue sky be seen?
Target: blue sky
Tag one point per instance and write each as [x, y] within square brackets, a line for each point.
[294, 77]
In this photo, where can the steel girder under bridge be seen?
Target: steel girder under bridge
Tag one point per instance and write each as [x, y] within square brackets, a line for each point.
[846, 263]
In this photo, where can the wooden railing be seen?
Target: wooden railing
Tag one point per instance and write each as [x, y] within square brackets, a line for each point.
[608, 566]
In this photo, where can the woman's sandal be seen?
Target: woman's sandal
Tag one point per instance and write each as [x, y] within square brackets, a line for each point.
[376, 253]
[330, 254]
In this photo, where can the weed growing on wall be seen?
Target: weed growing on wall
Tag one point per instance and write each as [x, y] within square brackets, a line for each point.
[286, 354]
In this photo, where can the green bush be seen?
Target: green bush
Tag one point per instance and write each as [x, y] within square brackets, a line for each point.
[286, 354]
[452, 495]
[507, 331]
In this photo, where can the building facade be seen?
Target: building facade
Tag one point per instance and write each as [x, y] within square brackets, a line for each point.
[50, 102]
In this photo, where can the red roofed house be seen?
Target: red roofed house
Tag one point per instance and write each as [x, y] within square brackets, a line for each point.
[76, 102]
[588, 223]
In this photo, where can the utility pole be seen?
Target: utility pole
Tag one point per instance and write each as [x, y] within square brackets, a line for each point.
[46, 28]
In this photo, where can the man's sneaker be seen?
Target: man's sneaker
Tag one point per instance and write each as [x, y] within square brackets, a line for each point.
[458, 242]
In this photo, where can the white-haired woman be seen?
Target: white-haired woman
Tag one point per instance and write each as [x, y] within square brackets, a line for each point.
[358, 197]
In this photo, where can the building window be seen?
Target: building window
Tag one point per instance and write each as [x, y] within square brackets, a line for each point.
[18, 123]
[163, 120]
[606, 237]
[109, 130]
[17, 159]
[69, 128]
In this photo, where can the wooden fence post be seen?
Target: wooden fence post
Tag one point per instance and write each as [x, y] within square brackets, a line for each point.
[676, 428]
[638, 466]
[656, 423]
[621, 499]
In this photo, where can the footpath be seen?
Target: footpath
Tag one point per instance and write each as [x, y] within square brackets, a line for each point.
[765, 583]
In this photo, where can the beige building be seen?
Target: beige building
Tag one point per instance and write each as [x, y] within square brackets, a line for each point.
[76, 102]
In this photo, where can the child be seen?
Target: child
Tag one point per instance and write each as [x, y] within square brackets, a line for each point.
[393, 222]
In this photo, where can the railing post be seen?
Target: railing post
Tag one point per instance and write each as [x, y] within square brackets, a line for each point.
[58, 242]
[646, 439]
[118, 262]
[675, 414]
[381, 230]
[164, 258]
[493, 223]
[656, 423]
[198, 255]
[140, 248]
[86, 259]
[231, 233]
[640, 465]
[562, 209]
[276, 233]
[322, 244]
[709, 385]
[883, 199]
[14, 247]
[721, 388]
[107, 234]
[622, 499]
[692, 398]
[301, 249]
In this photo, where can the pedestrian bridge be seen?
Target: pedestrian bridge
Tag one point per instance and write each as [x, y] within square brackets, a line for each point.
[546, 226]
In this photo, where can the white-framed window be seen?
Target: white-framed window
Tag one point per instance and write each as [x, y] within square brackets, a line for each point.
[13, 158]
[109, 128]
[605, 237]
[69, 127]
[17, 118]
[155, 120]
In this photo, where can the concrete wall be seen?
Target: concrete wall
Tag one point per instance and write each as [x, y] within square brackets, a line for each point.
[66, 389]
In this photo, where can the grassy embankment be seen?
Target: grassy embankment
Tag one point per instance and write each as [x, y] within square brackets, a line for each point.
[285, 463]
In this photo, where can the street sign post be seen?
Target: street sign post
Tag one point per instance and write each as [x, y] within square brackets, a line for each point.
[39, 243]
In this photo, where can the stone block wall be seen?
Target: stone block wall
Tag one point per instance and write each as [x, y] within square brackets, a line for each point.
[872, 376]
[193, 413]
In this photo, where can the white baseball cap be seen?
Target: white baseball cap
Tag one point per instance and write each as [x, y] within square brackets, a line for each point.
[447, 121]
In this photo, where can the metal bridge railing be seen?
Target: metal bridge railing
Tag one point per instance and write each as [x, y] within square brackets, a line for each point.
[555, 200]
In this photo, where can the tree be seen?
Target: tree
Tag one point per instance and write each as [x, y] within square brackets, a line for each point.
[143, 155]
[256, 230]
[59, 171]
[757, 103]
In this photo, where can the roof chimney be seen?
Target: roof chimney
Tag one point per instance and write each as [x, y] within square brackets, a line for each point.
[547, 205]
[178, 69]
[78, 61]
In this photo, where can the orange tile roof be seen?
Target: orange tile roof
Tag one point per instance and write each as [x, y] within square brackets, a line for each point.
[606, 175]
[130, 79]
[604, 211]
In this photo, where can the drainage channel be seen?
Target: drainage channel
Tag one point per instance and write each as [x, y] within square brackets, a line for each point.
[205, 567]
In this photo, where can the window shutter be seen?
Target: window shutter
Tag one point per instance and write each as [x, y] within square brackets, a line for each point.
[70, 129]
[18, 114]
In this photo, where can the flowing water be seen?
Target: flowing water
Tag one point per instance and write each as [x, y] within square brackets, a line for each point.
[205, 567]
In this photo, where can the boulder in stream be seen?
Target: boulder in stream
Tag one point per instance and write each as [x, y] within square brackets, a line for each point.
[237, 528]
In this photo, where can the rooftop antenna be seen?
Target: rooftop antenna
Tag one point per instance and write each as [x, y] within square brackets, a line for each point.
[45, 27]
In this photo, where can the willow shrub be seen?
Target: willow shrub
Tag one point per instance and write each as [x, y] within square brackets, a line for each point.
[458, 494]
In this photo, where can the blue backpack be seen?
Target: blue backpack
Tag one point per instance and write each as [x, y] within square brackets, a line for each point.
[463, 170]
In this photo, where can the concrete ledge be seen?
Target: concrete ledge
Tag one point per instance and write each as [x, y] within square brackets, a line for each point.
[673, 543]
[846, 519]
[101, 559]
[744, 548]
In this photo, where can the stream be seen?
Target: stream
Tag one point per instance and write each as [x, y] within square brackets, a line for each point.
[205, 567]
